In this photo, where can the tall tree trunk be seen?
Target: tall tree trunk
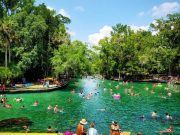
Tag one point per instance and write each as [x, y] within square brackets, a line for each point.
[119, 75]
[9, 49]
[6, 52]
[169, 67]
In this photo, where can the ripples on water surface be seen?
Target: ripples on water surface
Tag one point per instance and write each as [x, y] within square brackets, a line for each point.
[100, 108]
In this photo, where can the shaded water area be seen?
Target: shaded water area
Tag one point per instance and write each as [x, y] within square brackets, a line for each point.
[99, 108]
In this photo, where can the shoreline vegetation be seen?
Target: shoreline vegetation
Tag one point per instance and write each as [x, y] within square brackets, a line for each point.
[35, 87]
[35, 43]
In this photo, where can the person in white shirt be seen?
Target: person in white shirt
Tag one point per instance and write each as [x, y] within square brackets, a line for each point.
[92, 130]
[154, 115]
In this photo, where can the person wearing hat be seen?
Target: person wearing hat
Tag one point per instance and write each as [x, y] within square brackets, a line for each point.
[80, 127]
[115, 128]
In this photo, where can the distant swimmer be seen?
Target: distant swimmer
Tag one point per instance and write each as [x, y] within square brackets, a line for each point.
[169, 130]
[146, 88]
[142, 117]
[154, 115]
[168, 116]
[81, 94]
[36, 103]
[56, 109]
[61, 110]
[9, 106]
[73, 91]
[152, 92]
[22, 107]
[49, 107]
[111, 90]
[18, 99]
[117, 86]
[97, 93]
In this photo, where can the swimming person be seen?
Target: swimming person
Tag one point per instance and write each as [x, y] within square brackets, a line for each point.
[169, 130]
[18, 99]
[142, 117]
[22, 107]
[56, 109]
[61, 110]
[104, 89]
[168, 116]
[36, 103]
[154, 115]
[49, 107]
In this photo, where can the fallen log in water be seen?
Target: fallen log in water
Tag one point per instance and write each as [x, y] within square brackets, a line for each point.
[15, 121]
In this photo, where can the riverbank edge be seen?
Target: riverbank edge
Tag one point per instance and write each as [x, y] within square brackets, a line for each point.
[9, 133]
[33, 90]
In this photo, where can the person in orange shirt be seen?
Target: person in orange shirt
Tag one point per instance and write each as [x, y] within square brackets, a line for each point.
[115, 129]
[80, 127]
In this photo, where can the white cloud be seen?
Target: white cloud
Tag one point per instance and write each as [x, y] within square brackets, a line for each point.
[165, 8]
[64, 13]
[96, 37]
[141, 14]
[50, 8]
[72, 33]
[155, 32]
[79, 8]
[136, 28]
[155, 23]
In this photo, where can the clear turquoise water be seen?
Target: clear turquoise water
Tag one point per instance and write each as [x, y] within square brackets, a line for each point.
[125, 111]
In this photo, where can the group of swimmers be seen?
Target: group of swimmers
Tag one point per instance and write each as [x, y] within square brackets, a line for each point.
[167, 115]
[56, 109]
[89, 95]
[36, 103]
[50, 107]
[155, 116]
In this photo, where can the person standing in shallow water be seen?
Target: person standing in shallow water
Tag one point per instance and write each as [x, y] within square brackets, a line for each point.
[115, 129]
[80, 127]
[92, 130]
[49, 129]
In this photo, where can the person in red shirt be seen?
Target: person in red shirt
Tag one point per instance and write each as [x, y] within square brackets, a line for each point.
[80, 127]
[4, 101]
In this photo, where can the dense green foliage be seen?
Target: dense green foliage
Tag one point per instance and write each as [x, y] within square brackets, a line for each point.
[34, 43]
[142, 53]
[28, 36]
[72, 59]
